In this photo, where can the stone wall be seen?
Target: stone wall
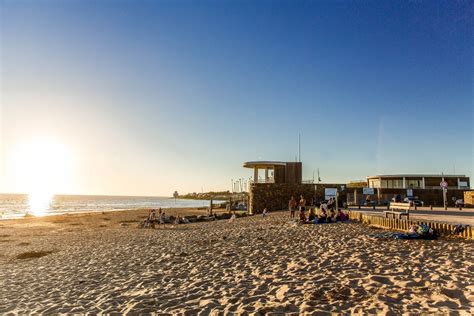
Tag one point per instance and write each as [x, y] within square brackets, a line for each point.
[275, 196]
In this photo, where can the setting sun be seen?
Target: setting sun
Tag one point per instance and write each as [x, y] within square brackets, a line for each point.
[41, 168]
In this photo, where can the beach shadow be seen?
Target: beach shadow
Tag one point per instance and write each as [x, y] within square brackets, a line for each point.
[33, 254]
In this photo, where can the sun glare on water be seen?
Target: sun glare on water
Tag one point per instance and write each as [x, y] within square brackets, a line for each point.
[42, 168]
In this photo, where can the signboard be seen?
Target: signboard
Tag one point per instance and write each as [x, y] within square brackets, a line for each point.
[410, 192]
[463, 184]
[443, 184]
[330, 193]
[368, 191]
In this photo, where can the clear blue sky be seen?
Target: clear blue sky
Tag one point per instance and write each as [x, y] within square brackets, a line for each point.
[156, 96]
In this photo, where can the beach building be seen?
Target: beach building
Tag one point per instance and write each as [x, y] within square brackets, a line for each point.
[425, 187]
[274, 182]
[418, 181]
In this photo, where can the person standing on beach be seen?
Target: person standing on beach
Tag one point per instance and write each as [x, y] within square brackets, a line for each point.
[302, 203]
[292, 206]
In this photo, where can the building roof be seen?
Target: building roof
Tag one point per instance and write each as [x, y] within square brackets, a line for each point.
[417, 176]
[263, 164]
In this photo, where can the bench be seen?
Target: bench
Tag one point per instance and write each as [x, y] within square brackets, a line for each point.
[398, 210]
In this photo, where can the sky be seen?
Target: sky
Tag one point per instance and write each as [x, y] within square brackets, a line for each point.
[149, 97]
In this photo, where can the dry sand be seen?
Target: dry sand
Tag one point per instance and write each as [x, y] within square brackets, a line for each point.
[102, 263]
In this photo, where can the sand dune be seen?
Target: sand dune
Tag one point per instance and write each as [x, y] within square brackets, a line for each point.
[90, 264]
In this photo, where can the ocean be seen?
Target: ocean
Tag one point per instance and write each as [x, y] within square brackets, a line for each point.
[17, 205]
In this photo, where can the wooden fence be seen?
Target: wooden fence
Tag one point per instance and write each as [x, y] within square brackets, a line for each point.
[404, 225]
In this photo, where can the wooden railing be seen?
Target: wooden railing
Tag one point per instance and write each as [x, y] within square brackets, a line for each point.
[443, 229]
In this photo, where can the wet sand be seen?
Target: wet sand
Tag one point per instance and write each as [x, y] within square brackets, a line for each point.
[103, 263]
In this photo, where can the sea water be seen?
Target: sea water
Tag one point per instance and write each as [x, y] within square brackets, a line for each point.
[18, 205]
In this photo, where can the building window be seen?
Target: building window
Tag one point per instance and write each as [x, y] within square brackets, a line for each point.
[397, 184]
[374, 183]
[415, 184]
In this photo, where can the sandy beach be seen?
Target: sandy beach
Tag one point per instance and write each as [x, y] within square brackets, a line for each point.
[102, 263]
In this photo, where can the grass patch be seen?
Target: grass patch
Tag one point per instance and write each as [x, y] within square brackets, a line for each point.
[130, 221]
[33, 254]
[106, 219]
[24, 244]
[3, 236]
[76, 224]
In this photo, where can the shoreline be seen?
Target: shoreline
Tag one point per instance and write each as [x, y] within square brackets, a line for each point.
[3, 217]
[172, 211]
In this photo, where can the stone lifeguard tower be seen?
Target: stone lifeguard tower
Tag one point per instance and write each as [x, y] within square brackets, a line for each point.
[281, 180]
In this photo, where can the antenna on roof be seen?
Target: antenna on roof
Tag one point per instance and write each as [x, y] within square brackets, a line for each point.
[299, 147]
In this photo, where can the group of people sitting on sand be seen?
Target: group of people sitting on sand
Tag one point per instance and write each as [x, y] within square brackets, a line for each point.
[181, 220]
[326, 213]
[153, 217]
[160, 218]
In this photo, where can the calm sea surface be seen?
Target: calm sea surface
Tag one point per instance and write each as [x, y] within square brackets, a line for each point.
[17, 205]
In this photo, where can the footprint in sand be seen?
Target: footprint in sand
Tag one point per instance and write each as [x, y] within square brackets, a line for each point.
[281, 293]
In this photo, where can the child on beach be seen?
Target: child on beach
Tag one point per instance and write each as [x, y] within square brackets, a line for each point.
[292, 206]
[264, 213]
[233, 217]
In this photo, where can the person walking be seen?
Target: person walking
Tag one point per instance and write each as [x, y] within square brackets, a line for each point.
[292, 206]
